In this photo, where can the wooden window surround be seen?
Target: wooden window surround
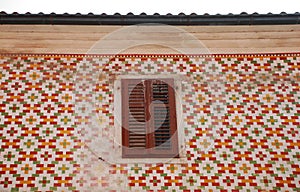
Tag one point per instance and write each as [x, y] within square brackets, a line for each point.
[149, 128]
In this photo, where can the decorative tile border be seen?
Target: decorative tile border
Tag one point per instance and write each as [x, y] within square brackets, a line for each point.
[247, 55]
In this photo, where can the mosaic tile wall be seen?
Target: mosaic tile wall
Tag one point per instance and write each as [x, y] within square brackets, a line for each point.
[240, 120]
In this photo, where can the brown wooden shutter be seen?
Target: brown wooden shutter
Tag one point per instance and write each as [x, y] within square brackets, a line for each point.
[149, 118]
[161, 109]
[133, 117]
[165, 123]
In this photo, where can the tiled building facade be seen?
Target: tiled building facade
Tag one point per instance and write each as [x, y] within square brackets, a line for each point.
[240, 123]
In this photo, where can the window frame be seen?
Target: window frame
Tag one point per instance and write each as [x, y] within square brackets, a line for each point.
[116, 130]
[150, 151]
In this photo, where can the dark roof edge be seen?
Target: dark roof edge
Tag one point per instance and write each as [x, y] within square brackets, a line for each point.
[169, 19]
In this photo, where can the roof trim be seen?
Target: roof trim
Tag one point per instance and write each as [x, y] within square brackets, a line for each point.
[131, 19]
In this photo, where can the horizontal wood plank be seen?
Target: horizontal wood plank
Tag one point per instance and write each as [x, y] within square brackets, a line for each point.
[107, 29]
[52, 35]
[111, 44]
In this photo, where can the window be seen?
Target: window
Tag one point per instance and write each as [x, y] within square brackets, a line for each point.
[149, 127]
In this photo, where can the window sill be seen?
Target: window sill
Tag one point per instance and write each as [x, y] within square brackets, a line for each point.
[153, 160]
[117, 158]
